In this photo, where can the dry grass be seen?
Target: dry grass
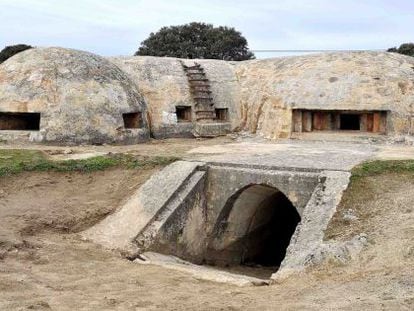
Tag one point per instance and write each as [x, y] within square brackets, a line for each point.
[361, 202]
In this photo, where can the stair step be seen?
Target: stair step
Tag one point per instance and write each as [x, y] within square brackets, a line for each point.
[203, 100]
[202, 96]
[198, 79]
[195, 72]
[205, 112]
[196, 76]
[204, 83]
[200, 88]
[199, 70]
[195, 67]
[201, 92]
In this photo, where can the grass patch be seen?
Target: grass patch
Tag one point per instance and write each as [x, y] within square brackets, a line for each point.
[369, 182]
[17, 161]
[377, 167]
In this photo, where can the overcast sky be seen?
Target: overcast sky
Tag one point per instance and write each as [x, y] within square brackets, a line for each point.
[116, 27]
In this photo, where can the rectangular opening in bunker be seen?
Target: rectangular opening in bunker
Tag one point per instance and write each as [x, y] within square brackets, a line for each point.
[19, 121]
[349, 122]
[132, 120]
[183, 113]
[221, 114]
[339, 120]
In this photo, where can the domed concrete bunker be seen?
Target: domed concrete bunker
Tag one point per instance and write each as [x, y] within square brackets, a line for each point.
[254, 228]
[64, 96]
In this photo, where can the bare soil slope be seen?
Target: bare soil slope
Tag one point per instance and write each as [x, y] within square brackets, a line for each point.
[46, 266]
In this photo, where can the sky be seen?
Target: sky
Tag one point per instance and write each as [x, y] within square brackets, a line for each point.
[116, 27]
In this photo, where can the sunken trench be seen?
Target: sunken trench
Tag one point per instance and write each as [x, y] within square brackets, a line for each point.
[254, 221]
[237, 219]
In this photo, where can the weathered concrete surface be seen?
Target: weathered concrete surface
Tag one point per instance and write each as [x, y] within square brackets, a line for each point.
[118, 230]
[211, 129]
[260, 94]
[271, 88]
[164, 84]
[223, 182]
[81, 97]
[90, 93]
[166, 231]
[311, 175]
[190, 233]
[291, 155]
[199, 272]
[307, 246]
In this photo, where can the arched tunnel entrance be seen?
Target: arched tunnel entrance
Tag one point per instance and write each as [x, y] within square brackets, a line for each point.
[254, 228]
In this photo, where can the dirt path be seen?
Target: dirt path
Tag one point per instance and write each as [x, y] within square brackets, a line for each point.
[45, 265]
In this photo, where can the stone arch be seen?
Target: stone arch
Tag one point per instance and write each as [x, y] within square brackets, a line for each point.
[254, 228]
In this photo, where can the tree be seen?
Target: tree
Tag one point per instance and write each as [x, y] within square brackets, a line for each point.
[11, 50]
[197, 40]
[405, 48]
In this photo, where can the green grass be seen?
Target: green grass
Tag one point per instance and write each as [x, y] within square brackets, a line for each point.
[17, 161]
[377, 167]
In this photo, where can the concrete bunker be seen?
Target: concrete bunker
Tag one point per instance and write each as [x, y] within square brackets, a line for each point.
[253, 229]
[69, 97]
[339, 120]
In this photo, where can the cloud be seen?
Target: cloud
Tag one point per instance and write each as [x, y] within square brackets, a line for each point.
[111, 27]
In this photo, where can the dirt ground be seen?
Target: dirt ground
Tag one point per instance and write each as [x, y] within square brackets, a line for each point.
[45, 265]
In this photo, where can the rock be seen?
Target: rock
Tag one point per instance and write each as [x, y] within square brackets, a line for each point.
[349, 215]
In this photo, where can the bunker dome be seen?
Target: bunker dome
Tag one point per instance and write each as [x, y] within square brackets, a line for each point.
[354, 92]
[186, 97]
[56, 95]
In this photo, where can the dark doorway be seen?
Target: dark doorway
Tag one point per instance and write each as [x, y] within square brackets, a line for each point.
[350, 122]
[266, 244]
[132, 120]
[19, 121]
[221, 114]
[183, 113]
[254, 229]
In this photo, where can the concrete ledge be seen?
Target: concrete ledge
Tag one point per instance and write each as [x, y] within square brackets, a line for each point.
[199, 272]
[178, 130]
[211, 129]
[307, 242]
[117, 231]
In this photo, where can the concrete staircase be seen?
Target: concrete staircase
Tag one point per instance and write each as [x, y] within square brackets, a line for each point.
[206, 123]
[201, 92]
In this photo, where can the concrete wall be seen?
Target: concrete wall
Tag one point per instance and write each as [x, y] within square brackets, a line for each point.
[206, 197]
[260, 94]
[81, 96]
[370, 81]
[164, 85]
[192, 236]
